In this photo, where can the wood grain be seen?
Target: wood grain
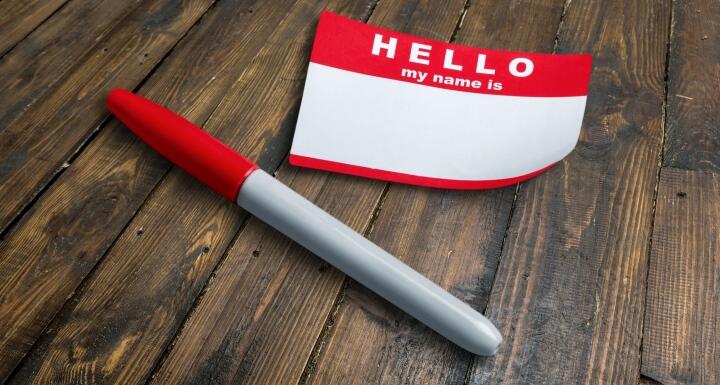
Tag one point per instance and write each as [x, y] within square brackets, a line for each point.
[267, 303]
[35, 146]
[569, 292]
[681, 334]
[453, 237]
[119, 324]
[261, 315]
[693, 134]
[50, 52]
[20, 17]
[682, 331]
[73, 224]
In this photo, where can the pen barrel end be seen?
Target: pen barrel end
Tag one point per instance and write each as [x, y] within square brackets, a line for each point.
[282, 208]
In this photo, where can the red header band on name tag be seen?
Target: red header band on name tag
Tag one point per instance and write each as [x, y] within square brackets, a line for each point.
[349, 45]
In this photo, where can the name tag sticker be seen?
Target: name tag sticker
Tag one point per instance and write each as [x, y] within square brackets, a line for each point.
[386, 105]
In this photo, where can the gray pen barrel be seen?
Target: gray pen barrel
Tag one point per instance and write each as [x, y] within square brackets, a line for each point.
[282, 208]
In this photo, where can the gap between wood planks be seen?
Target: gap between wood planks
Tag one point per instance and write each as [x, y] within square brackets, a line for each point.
[34, 197]
[161, 360]
[36, 148]
[59, 46]
[661, 156]
[164, 82]
[12, 45]
[93, 134]
[680, 329]
[11, 226]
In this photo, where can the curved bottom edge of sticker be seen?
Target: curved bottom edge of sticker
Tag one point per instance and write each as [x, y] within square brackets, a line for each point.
[398, 177]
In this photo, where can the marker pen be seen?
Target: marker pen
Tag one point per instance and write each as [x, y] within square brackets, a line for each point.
[241, 181]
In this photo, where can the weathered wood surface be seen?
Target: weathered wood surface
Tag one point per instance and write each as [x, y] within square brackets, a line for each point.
[125, 270]
[454, 237]
[34, 147]
[682, 331]
[73, 224]
[681, 343]
[52, 50]
[693, 134]
[569, 292]
[20, 17]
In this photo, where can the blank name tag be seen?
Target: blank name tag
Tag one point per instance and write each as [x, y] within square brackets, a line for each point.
[391, 106]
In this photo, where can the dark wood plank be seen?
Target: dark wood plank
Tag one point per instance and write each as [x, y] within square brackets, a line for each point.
[570, 288]
[36, 145]
[267, 303]
[259, 319]
[693, 135]
[118, 325]
[19, 17]
[72, 225]
[681, 333]
[454, 237]
[49, 53]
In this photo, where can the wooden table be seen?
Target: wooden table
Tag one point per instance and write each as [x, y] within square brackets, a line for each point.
[117, 268]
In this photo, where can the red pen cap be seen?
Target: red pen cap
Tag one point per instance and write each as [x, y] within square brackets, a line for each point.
[183, 143]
